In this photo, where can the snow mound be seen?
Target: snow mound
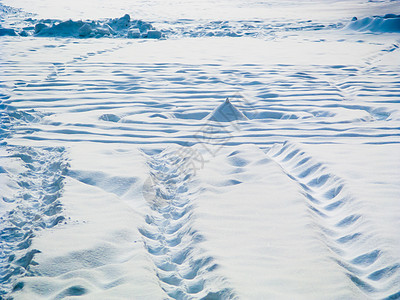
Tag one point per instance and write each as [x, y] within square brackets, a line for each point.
[122, 27]
[7, 31]
[387, 23]
[226, 112]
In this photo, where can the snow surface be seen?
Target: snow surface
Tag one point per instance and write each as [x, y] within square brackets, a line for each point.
[247, 150]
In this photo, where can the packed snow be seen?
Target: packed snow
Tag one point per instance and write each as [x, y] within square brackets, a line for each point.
[199, 149]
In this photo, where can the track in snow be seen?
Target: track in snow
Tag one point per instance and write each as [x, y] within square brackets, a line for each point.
[342, 226]
[184, 269]
[36, 207]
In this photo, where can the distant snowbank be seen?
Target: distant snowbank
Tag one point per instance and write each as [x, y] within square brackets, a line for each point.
[124, 27]
[119, 27]
[15, 22]
[387, 23]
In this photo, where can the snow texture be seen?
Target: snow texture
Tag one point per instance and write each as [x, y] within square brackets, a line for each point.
[199, 150]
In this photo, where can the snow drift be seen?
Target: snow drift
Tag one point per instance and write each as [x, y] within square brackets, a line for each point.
[387, 23]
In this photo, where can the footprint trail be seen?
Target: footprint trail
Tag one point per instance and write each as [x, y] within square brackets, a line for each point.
[342, 225]
[185, 270]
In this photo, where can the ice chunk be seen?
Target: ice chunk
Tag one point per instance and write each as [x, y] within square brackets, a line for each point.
[153, 34]
[102, 32]
[134, 33]
[67, 28]
[144, 27]
[39, 27]
[110, 29]
[85, 30]
[121, 23]
[7, 31]
[23, 33]
[124, 21]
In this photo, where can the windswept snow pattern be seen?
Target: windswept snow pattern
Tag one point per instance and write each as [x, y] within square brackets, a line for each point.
[201, 153]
